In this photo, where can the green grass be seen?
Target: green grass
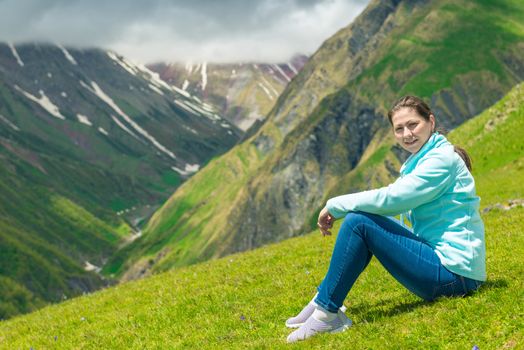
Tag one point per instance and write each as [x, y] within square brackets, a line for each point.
[242, 300]
[495, 143]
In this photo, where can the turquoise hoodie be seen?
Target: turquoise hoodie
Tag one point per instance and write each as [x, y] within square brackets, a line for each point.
[436, 192]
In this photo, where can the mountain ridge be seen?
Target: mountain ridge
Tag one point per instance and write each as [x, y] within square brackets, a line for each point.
[243, 92]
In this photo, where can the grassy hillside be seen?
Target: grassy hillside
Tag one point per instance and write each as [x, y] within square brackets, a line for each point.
[243, 300]
[222, 180]
[45, 239]
[329, 128]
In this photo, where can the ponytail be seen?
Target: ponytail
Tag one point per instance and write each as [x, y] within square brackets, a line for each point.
[465, 156]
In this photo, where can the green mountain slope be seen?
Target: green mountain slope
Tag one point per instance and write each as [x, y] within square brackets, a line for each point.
[128, 138]
[46, 242]
[90, 145]
[243, 300]
[328, 130]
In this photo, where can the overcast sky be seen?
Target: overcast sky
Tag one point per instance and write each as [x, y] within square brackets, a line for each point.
[181, 30]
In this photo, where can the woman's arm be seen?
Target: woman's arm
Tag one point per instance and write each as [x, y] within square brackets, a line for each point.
[429, 180]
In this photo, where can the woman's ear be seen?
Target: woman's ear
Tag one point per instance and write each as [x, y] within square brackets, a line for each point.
[432, 121]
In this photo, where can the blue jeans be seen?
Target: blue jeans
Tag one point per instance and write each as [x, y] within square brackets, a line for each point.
[405, 256]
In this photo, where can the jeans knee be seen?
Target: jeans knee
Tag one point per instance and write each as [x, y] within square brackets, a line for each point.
[355, 219]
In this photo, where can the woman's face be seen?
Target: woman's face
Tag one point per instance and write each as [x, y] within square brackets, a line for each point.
[411, 130]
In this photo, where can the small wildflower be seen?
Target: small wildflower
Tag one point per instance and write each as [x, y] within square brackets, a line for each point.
[475, 347]
[242, 317]
[307, 272]
[82, 319]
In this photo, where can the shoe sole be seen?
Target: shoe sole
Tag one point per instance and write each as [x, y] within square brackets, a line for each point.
[347, 324]
[294, 325]
[297, 325]
[343, 328]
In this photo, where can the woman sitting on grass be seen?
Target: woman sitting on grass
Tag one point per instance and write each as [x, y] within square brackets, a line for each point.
[444, 252]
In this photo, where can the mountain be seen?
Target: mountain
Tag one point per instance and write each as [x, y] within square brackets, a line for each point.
[90, 145]
[244, 93]
[97, 108]
[328, 133]
[242, 301]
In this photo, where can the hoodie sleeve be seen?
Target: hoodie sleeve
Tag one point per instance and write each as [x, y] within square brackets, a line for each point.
[430, 179]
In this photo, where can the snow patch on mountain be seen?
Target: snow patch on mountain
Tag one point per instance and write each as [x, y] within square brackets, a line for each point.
[204, 75]
[103, 131]
[278, 69]
[90, 267]
[293, 69]
[268, 84]
[84, 119]
[189, 67]
[121, 62]
[265, 89]
[188, 169]
[95, 89]
[202, 111]
[182, 92]
[185, 85]
[153, 77]
[15, 53]
[185, 107]
[67, 55]
[44, 102]
[208, 107]
[8, 122]
[155, 89]
[190, 129]
[123, 127]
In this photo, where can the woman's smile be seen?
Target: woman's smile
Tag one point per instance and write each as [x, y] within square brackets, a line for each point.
[410, 129]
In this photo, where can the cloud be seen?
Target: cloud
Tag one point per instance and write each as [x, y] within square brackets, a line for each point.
[177, 30]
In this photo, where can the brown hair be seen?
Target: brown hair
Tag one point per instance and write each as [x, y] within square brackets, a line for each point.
[422, 109]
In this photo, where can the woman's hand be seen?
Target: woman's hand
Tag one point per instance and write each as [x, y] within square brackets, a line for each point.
[325, 222]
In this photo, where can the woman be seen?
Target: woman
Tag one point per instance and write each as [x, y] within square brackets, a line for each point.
[444, 252]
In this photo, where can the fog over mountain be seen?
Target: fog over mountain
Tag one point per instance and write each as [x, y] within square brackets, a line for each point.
[161, 30]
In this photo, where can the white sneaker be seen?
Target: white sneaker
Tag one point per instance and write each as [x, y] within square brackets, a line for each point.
[307, 311]
[313, 326]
